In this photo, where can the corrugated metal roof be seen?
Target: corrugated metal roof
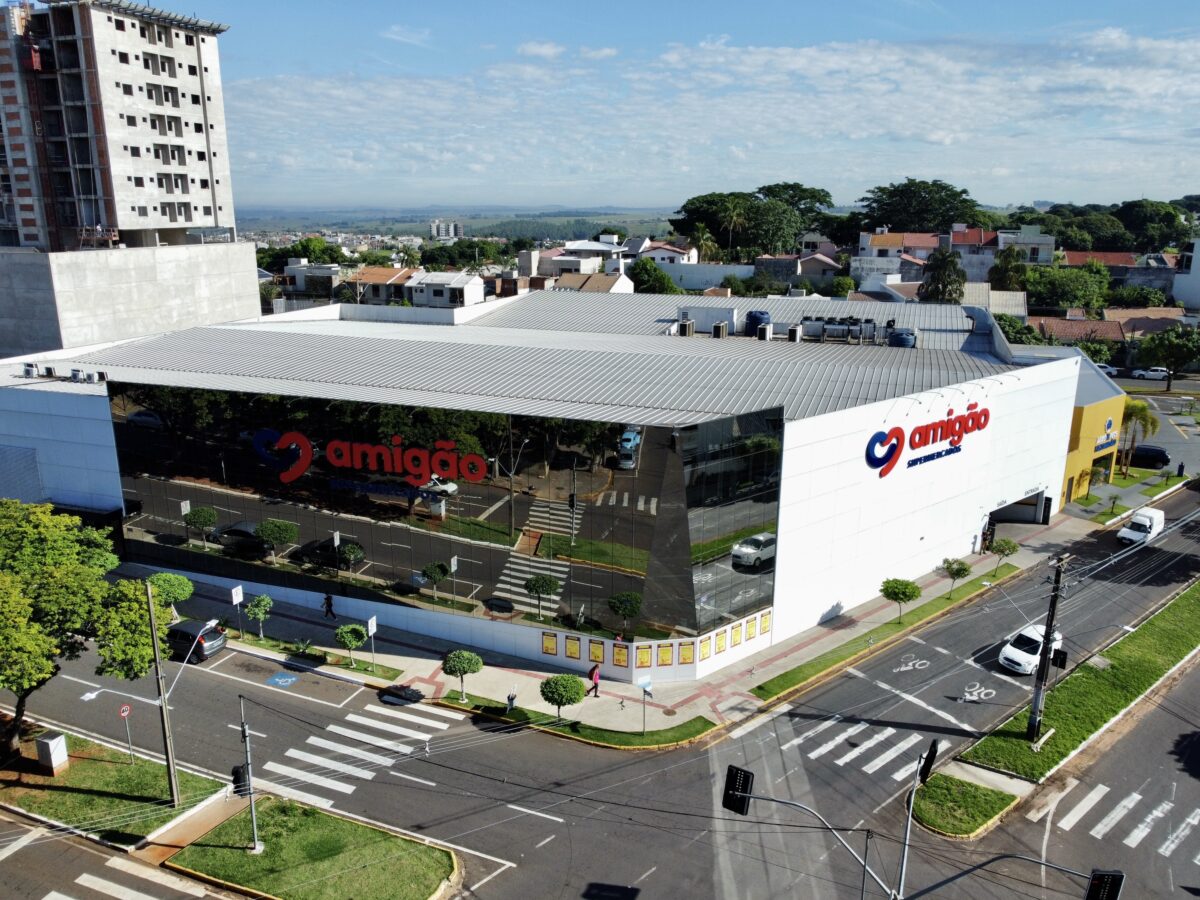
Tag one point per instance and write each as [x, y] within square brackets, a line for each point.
[637, 378]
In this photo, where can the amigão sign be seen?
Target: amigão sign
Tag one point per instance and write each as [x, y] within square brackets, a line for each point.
[885, 448]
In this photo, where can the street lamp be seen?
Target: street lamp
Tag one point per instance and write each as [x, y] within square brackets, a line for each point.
[512, 514]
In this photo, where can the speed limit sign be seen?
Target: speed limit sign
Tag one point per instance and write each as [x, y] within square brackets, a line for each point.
[125, 710]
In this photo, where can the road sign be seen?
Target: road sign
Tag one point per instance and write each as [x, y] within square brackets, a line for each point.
[454, 564]
[371, 623]
[126, 709]
[337, 539]
[236, 595]
[645, 685]
[185, 507]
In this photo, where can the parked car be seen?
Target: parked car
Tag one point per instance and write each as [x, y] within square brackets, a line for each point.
[754, 550]
[145, 418]
[630, 440]
[627, 459]
[1110, 371]
[327, 556]
[195, 641]
[439, 485]
[1150, 456]
[241, 539]
[1158, 373]
[1024, 649]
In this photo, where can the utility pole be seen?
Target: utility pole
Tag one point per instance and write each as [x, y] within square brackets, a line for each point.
[257, 847]
[168, 740]
[1043, 670]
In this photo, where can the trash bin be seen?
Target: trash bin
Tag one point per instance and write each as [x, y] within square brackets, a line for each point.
[1179, 471]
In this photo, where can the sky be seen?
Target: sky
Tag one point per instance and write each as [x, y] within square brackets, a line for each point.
[378, 103]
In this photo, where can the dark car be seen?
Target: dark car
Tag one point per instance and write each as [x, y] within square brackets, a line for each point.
[194, 640]
[325, 555]
[1150, 456]
[241, 539]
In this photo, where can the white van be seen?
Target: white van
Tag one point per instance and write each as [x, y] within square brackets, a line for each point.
[1142, 526]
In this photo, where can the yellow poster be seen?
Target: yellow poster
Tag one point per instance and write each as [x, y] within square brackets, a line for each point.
[751, 629]
[595, 651]
[737, 634]
[766, 622]
[687, 653]
[705, 647]
[643, 656]
[665, 654]
[572, 646]
[621, 655]
[550, 643]
[721, 635]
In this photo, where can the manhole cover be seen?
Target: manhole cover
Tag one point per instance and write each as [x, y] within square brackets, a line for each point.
[668, 712]
[1099, 662]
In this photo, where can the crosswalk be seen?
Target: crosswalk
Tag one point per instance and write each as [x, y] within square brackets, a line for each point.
[127, 879]
[556, 518]
[1131, 817]
[364, 745]
[518, 569]
[871, 749]
[640, 502]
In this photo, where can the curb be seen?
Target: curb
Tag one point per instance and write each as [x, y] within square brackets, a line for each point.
[367, 681]
[219, 794]
[217, 882]
[599, 565]
[66, 829]
[978, 832]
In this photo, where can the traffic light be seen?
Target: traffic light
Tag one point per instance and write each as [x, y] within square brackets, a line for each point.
[738, 784]
[929, 760]
[241, 784]
[1105, 884]
[571, 501]
[1058, 658]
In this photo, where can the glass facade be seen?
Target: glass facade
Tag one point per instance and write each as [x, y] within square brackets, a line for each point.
[588, 526]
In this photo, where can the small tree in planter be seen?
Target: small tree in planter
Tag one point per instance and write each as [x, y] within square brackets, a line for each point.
[351, 555]
[627, 605]
[459, 664]
[350, 637]
[1003, 548]
[171, 589]
[900, 591]
[277, 532]
[539, 586]
[202, 518]
[259, 610]
[562, 690]
[435, 573]
[955, 569]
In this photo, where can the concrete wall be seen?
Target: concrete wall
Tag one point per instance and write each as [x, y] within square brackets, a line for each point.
[1161, 279]
[699, 276]
[50, 301]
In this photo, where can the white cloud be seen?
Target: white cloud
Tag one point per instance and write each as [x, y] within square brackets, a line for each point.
[542, 49]
[598, 52]
[418, 37]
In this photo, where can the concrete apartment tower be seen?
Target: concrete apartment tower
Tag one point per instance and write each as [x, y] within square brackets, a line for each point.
[114, 142]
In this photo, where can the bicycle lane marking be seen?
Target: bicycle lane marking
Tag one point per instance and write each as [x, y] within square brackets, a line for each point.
[916, 701]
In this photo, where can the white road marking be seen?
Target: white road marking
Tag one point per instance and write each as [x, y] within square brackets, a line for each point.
[158, 876]
[440, 711]
[829, 745]
[544, 842]
[372, 739]
[55, 895]
[79, 680]
[828, 723]
[907, 771]
[654, 506]
[883, 759]
[648, 873]
[865, 746]
[1049, 801]
[625, 499]
[423, 781]
[331, 764]
[641, 504]
[534, 812]
[401, 546]
[408, 717]
[251, 730]
[1178, 835]
[1115, 816]
[504, 868]
[917, 701]
[1139, 834]
[612, 498]
[301, 775]
[346, 750]
[915, 640]
[104, 886]
[747, 727]
[293, 794]
[9, 850]
[989, 672]
[388, 726]
[1083, 807]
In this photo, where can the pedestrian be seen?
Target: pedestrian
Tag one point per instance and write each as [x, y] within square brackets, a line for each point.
[329, 613]
[594, 675]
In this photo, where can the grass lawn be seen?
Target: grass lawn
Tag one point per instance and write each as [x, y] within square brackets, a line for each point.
[604, 552]
[1135, 476]
[1154, 490]
[317, 657]
[362, 658]
[477, 530]
[683, 731]
[953, 806]
[1081, 705]
[1110, 512]
[448, 603]
[787, 680]
[101, 792]
[311, 855]
[718, 547]
[291, 648]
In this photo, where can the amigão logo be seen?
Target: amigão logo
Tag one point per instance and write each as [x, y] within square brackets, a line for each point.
[884, 448]
[292, 453]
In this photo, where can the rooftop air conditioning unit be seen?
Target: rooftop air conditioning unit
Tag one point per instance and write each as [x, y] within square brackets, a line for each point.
[764, 331]
[687, 328]
[720, 329]
[794, 332]
[77, 374]
[50, 373]
[30, 370]
[91, 378]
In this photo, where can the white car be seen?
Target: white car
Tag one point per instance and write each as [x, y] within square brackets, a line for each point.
[1158, 373]
[1110, 371]
[145, 418]
[1024, 649]
[754, 550]
[439, 485]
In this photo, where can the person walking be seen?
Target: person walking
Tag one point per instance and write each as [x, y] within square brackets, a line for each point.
[594, 675]
[329, 613]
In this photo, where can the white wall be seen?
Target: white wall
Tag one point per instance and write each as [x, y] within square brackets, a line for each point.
[698, 276]
[843, 528]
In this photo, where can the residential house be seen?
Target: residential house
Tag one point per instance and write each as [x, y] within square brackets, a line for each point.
[444, 289]
[886, 252]
[665, 254]
[815, 242]
[611, 283]
[976, 248]
[1137, 323]
[1129, 269]
[311, 278]
[380, 285]
[790, 268]
[890, 289]
[1072, 330]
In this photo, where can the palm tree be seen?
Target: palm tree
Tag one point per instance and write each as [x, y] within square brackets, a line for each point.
[733, 216]
[702, 239]
[1138, 423]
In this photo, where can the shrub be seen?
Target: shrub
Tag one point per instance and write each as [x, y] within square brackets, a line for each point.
[562, 690]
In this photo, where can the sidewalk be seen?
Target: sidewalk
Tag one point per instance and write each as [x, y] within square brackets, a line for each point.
[724, 697]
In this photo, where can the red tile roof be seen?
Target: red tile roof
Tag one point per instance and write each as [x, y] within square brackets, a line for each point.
[382, 275]
[974, 236]
[1070, 330]
[1139, 322]
[907, 257]
[1106, 257]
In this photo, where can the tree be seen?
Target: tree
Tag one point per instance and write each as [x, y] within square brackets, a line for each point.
[1017, 332]
[627, 605]
[202, 519]
[459, 664]
[774, 226]
[1008, 272]
[1153, 224]
[736, 286]
[1136, 296]
[900, 591]
[259, 610]
[704, 242]
[1137, 423]
[1097, 351]
[944, 278]
[841, 286]
[435, 573]
[807, 202]
[1091, 475]
[267, 291]
[539, 586]
[733, 214]
[350, 637]
[351, 554]
[648, 278]
[621, 233]
[1174, 349]
[1066, 288]
[122, 630]
[955, 569]
[171, 589]
[53, 589]
[562, 690]
[277, 532]
[914, 205]
[1003, 548]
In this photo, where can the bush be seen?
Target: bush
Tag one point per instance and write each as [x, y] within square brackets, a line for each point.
[350, 637]
[562, 690]
[278, 532]
[459, 664]
[841, 286]
[900, 591]
[1137, 296]
[259, 610]
[202, 519]
[626, 604]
